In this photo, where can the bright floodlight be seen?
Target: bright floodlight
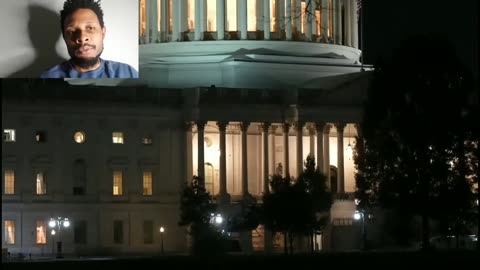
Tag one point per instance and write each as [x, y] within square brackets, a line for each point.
[53, 232]
[218, 219]
[52, 223]
[356, 216]
[66, 223]
[162, 229]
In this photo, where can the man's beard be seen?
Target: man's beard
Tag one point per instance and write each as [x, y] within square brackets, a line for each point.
[83, 62]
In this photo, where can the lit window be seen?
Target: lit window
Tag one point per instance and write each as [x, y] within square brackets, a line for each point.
[117, 137]
[303, 16]
[79, 137]
[273, 16]
[191, 15]
[9, 182]
[9, 135]
[252, 15]
[231, 16]
[211, 15]
[147, 183]
[318, 16]
[147, 140]
[40, 136]
[41, 232]
[41, 184]
[143, 17]
[10, 232]
[330, 18]
[117, 183]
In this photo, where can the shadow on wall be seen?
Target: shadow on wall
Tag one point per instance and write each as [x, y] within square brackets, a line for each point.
[44, 31]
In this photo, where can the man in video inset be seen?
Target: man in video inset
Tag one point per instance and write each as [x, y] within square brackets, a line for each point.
[83, 31]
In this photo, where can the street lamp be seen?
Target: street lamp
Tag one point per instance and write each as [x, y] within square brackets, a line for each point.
[361, 215]
[162, 230]
[59, 223]
[52, 232]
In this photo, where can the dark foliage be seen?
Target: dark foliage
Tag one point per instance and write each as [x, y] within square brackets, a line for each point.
[415, 152]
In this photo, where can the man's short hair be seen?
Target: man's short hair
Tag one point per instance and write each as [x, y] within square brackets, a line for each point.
[71, 6]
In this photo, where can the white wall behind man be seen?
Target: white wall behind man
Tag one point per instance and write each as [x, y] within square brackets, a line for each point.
[31, 39]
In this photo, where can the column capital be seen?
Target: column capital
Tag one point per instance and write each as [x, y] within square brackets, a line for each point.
[265, 126]
[286, 127]
[244, 126]
[311, 129]
[340, 127]
[319, 126]
[273, 129]
[299, 125]
[200, 125]
[326, 128]
[222, 125]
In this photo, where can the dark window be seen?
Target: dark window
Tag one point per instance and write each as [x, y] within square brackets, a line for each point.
[118, 232]
[80, 231]
[78, 191]
[79, 177]
[148, 232]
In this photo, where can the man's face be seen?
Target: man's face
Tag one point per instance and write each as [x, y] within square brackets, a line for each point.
[83, 36]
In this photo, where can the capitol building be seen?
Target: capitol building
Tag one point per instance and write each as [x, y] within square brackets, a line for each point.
[233, 91]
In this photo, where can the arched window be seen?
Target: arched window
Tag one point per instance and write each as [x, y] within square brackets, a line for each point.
[79, 177]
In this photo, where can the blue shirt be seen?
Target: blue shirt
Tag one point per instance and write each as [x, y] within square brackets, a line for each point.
[107, 69]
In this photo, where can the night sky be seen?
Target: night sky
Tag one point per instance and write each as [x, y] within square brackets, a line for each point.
[388, 22]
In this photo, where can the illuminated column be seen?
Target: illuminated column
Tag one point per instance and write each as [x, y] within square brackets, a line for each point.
[244, 128]
[183, 18]
[188, 151]
[299, 127]
[348, 22]
[152, 18]
[242, 18]
[220, 19]
[198, 20]
[313, 20]
[272, 150]
[338, 21]
[288, 20]
[340, 170]
[259, 15]
[280, 18]
[354, 19]
[286, 128]
[147, 22]
[164, 20]
[201, 150]
[308, 24]
[297, 17]
[266, 19]
[176, 21]
[326, 150]
[222, 127]
[311, 133]
[324, 29]
[265, 126]
[320, 158]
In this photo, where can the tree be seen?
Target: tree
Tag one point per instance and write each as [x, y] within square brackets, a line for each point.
[297, 207]
[411, 145]
[321, 197]
[196, 207]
